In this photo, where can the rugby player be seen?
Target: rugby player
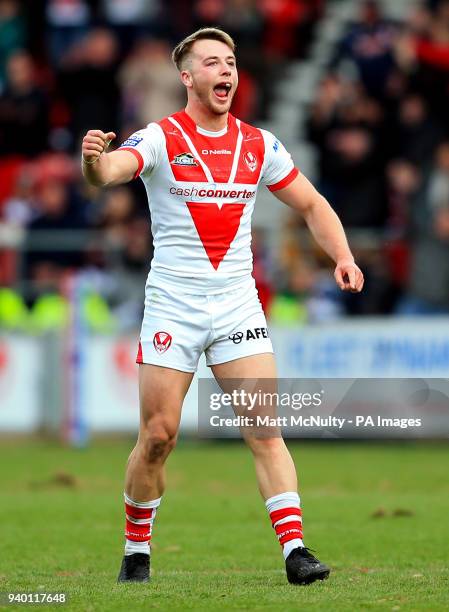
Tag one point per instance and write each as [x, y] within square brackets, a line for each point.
[201, 168]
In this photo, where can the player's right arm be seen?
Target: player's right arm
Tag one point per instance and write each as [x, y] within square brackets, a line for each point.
[101, 168]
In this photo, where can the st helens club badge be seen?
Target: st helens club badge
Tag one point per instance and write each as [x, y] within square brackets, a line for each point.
[162, 341]
[251, 160]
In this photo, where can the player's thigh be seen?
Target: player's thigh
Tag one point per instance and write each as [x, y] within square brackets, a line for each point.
[241, 357]
[262, 365]
[255, 376]
[161, 393]
[253, 381]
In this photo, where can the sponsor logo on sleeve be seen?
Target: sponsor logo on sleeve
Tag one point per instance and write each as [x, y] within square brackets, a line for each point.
[276, 146]
[132, 141]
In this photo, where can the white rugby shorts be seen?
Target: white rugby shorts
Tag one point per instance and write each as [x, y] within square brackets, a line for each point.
[178, 326]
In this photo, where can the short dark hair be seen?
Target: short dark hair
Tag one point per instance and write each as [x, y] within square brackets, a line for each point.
[183, 48]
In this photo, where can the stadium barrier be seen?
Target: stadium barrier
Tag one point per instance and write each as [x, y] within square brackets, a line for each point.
[46, 386]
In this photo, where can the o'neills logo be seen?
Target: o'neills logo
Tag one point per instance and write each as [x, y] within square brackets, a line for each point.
[162, 341]
[251, 160]
[184, 159]
[216, 152]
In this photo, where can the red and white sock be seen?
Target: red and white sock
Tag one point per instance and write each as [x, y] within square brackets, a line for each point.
[139, 524]
[286, 519]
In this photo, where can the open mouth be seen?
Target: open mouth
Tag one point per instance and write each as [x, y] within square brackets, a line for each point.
[221, 90]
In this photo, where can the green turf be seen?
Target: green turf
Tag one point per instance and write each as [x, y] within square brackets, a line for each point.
[213, 546]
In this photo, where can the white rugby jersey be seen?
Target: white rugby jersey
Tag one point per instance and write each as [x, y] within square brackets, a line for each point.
[201, 189]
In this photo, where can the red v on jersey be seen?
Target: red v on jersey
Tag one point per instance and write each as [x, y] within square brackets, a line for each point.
[198, 158]
[216, 227]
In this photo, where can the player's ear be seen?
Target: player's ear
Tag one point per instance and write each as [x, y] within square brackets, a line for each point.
[186, 78]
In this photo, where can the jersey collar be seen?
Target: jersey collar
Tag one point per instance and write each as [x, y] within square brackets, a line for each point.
[188, 123]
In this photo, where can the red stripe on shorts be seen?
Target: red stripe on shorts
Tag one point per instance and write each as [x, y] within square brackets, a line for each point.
[139, 358]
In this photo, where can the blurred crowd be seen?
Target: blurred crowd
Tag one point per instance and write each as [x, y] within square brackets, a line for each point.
[379, 123]
[380, 126]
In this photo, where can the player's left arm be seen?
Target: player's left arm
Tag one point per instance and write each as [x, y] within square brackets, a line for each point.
[326, 228]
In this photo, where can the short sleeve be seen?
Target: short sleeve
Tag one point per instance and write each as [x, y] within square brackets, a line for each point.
[278, 170]
[146, 145]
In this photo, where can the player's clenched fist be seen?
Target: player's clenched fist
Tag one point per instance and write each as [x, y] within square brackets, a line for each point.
[95, 142]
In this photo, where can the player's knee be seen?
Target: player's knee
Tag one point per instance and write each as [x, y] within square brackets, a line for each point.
[265, 446]
[157, 441]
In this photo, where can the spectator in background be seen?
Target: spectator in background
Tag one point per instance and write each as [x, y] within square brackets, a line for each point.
[115, 212]
[87, 80]
[133, 19]
[404, 184]
[19, 197]
[19, 208]
[403, 181]
[12, 34]
[282, 23]
[381, 292]
[24, 112]
[347, 128]
[207, 12]
[68, 22]
[304, 280]
[417, 133]
[57, 205]
[308, 296]
[150, 85]
[428, 285]
[131, 264]
[243, 20]
[369, 44]
[178, 17]
[423, 53]
[58, 208]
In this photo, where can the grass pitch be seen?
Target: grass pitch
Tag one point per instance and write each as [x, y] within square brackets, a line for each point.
[377, 514]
